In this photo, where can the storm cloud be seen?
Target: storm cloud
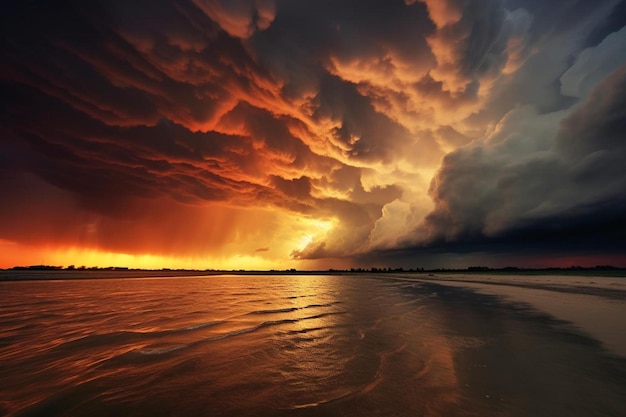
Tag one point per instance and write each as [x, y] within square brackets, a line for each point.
[323, 131]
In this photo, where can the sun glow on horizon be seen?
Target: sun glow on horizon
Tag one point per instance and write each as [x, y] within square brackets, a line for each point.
[22, 255]
[270, 249]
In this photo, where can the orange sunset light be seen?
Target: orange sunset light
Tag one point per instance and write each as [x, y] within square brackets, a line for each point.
[270, 134]
[18, 255]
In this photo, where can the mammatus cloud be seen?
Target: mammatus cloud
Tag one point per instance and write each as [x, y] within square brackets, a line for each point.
[293, 130]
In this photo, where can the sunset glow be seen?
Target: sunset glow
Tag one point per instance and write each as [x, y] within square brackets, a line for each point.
[298, 134]
[66, 257]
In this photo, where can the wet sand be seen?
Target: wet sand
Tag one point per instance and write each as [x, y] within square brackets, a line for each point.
[544, 347]
[594, 306]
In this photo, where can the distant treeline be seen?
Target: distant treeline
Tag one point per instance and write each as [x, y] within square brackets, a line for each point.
[515, 268]
[68, 268]
[331, 270]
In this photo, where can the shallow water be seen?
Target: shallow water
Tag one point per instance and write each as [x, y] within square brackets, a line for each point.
[288, 345]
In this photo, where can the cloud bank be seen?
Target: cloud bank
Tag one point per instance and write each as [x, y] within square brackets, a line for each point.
[345, 132]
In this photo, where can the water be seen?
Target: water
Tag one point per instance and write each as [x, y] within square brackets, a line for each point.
[283, 346]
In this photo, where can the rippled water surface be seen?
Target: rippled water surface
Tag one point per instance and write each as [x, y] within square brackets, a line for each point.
[251, 345]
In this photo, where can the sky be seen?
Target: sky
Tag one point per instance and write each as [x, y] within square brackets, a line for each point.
[275, 134]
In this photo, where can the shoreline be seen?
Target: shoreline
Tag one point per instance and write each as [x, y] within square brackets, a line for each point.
[8, 275]
[528, 362]
[585, 305]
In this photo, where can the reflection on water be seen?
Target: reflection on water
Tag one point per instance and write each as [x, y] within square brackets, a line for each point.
[231, 345]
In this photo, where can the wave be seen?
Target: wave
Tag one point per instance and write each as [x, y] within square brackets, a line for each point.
[294, 297]
[291, 309]
[322, 315]
[276, 310]
[129, 336]
[309, 330]
[244, 330]
[160, 351]
[324, 305]
[197, 326]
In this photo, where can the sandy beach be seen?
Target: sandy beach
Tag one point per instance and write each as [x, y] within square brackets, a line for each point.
[539, 346]
[591, 305]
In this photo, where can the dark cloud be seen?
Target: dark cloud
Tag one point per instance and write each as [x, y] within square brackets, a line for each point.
[124, 124]
[599, 124]
[614, 22]
[513, 190]
[474, 46]
[563, 16]
[545, 39]
[240, 18]
[361, 133]
[346, 30]
[96, 160]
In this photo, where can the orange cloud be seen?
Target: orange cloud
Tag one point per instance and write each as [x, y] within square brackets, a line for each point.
[239, 18]
[443, 12]
[215, 128]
